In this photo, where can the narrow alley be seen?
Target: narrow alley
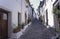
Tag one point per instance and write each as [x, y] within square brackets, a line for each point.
[37, 31]
[29, 19]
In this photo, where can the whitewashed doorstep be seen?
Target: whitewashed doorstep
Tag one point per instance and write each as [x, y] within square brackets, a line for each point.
[23, 30]
[19, 34]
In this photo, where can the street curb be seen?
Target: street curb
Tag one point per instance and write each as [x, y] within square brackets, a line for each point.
[26, 26]
[20, 33]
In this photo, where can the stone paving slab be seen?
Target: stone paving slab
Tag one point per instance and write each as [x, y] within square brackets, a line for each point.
[37, 31]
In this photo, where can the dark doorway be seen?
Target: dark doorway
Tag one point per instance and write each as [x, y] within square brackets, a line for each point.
[3, 24]
[46, 17]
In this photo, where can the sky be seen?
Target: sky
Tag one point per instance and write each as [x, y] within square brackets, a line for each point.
[35, 4]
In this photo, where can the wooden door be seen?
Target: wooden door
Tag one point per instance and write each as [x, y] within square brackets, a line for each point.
[3, 25]
[0, 26]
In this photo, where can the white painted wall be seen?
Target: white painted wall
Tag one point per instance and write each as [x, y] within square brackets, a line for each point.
[14, 6]
[49, 7]
[22, 10]
[30, 11]
[11, 5]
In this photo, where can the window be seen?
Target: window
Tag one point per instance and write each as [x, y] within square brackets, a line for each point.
[25, 18]
[46, 17]
[19, 18]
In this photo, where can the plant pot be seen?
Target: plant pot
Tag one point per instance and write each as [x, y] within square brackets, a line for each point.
[16, 30]
[16, 35]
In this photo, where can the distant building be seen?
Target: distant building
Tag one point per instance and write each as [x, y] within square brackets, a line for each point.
[12, 14]
[46, 12]
[29, 9]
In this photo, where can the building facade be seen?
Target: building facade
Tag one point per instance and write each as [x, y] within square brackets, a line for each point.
[29, 10]
[12, 14]
[46, 12]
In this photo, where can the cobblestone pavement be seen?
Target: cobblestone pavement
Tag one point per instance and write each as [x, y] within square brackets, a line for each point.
[38, 31]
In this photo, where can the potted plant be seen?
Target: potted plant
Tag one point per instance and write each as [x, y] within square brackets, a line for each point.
[16, 32]
[17, 29]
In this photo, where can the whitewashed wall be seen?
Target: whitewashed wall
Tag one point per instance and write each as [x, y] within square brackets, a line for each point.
[14, 6]
[49, 7]
[30, 11]
[22, 10]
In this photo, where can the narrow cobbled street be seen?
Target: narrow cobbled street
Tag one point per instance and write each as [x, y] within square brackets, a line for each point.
[29, 19]
[37, 31]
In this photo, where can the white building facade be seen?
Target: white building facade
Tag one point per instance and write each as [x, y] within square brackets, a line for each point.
[13, 12]
[47, 13]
